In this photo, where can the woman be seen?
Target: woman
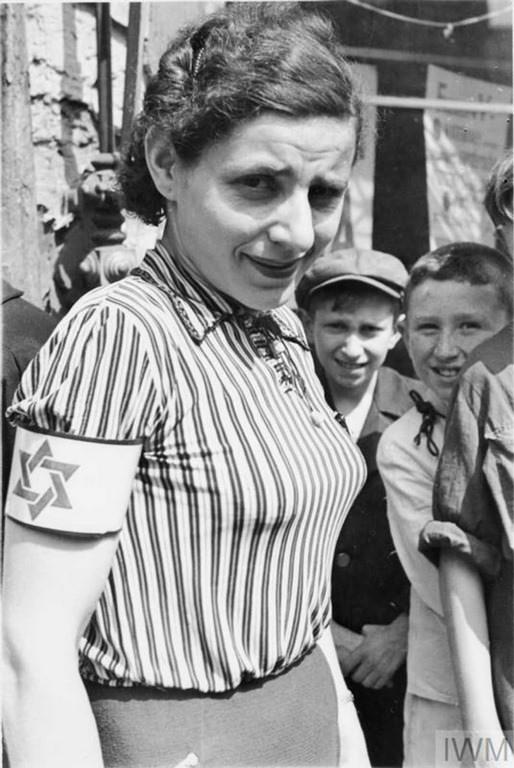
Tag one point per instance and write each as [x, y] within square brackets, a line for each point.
[186, 392]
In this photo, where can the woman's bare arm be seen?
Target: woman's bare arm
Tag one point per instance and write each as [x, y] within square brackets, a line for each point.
[51, 585]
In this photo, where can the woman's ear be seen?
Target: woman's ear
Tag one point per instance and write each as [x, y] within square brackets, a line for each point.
[161, 159]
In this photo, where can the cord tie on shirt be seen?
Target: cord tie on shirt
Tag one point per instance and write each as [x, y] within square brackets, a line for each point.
[429, 417]
[265, 336]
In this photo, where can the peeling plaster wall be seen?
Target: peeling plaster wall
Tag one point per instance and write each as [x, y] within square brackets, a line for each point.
[61, 43]
[62, 53]
[62, 67]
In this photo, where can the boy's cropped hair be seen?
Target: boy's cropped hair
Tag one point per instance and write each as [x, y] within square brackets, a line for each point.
[465, 262]
[498, 193]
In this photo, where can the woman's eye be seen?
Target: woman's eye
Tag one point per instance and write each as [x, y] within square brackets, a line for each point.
[322, 196]
[257, 183]
[254, 181]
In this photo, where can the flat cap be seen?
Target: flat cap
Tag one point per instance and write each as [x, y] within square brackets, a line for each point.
[382, 271]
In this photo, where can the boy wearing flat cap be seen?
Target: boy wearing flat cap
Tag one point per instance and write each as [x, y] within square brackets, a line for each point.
[350, 301]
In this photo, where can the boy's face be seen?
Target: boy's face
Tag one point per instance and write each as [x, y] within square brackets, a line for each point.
[445, 321]
[351, 342]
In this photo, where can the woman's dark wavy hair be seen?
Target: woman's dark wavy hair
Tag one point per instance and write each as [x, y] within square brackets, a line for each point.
[236, 64]
[472, 263]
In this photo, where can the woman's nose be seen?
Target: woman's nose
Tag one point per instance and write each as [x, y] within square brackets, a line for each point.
[293, 226]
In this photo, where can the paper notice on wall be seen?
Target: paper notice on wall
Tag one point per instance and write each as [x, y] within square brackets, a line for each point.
[356, 226]
[461, 148]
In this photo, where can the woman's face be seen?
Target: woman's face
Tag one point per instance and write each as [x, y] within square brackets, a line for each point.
[251, 214]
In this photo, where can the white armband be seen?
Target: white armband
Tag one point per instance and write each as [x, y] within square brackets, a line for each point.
[70, 484]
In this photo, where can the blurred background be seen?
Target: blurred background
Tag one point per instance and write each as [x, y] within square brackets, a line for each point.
[437, 79]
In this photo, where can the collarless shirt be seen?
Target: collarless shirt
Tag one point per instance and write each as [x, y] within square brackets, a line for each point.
[222, 573]
[356, 418]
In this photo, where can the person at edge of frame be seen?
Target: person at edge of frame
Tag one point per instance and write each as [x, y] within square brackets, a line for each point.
[456, 297]
[471, 536]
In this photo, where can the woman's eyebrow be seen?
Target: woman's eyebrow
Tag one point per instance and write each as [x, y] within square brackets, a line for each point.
[247, 169]
[280, 169]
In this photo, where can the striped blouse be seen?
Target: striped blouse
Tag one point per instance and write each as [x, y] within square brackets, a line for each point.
[222, 572]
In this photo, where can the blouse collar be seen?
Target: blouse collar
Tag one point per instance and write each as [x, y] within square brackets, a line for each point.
[199, 306]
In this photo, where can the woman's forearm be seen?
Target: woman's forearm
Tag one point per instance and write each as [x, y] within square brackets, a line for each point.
[48, 722]
[51, 586]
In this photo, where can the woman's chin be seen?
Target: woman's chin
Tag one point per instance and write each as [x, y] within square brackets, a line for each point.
[263, 301]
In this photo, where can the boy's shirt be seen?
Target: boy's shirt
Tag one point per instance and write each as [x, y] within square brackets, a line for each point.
[408, 472]
[368, 582]
[356, 419]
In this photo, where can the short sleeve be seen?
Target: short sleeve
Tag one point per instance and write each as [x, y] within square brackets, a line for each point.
[437, 535]
[94, 378]
[83, 409]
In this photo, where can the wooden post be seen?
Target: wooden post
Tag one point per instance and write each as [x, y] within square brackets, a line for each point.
[133, 69]
[19, 221]
[103, 40]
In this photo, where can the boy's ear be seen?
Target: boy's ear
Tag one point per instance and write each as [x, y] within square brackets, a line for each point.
[306, 321]
[161, 159]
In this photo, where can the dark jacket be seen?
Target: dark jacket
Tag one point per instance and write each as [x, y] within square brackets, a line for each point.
[368, 582]
[25, 329]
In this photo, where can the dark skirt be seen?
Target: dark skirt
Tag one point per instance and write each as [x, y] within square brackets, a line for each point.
[287, 720]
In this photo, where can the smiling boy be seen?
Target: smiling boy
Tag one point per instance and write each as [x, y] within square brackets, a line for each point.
[456, 297]
[351, 303]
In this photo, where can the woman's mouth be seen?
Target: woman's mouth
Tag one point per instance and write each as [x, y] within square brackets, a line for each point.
[274, 269]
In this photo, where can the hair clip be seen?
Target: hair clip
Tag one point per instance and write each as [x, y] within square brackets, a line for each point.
[197, 61]
[197, 44]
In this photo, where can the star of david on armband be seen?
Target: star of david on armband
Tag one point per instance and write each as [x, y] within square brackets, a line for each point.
[71, 484]
[59, 472]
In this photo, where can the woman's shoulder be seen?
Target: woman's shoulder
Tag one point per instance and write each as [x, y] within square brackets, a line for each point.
[131, 302]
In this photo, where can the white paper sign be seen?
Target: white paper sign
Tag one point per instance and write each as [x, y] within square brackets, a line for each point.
[357, 221]
[461, 149]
